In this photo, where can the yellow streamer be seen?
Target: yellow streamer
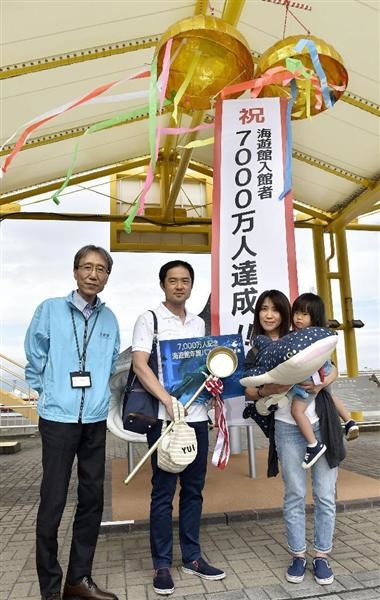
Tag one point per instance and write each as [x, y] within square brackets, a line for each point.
[184, 85]
[199, 143]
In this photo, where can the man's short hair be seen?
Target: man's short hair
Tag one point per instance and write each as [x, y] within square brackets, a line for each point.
[171, 265]
[91, 248]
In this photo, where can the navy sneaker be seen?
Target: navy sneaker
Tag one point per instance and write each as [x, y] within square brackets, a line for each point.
[163, 582]
[351, 430]
[322, 571]
[296, 570]
[312, 455]
[202, 569]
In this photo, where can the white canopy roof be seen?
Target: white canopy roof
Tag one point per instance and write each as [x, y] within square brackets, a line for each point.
[336, 154]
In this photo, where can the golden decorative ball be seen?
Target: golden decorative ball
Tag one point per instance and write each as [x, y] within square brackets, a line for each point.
[329, 58]
[224, 59]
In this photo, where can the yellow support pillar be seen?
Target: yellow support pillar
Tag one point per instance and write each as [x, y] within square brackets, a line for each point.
[346, 302]
[321, 274]
[321, 268]
[232, 10]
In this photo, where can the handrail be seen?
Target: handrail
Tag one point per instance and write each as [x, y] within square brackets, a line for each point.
[26, 390]
[12, 361]
[2, 368]
[20, 382]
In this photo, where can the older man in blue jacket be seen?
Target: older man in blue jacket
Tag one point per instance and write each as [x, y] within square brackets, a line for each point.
[71, 346]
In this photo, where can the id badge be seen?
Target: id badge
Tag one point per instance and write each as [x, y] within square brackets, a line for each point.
[80, 379]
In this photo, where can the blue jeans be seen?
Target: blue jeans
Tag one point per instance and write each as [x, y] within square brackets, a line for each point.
[291, 448]
[164, 484]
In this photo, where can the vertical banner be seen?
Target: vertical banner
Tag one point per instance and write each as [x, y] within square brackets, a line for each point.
[253, 247]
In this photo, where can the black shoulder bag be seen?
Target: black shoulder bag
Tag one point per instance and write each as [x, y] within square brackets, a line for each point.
[140, 408]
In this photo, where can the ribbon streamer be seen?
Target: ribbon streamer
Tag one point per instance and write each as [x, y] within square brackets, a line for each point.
[165, 71]
[42, 119]
[150, 172]
[184, 85]
[317, 66]
[289, 143]
[96, 127]
[221, 453]
[152, 125]
[199, 143]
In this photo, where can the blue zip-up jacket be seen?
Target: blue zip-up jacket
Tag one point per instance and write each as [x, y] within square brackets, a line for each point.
[51, 351]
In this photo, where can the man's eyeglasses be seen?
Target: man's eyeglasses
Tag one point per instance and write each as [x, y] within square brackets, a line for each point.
[88, 268]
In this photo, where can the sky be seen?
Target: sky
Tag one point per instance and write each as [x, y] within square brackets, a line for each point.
[36, 260]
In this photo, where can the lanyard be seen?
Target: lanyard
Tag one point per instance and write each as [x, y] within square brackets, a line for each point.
[86, 340]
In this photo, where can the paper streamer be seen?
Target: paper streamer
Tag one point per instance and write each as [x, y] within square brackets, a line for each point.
[150, 172]
[221, 453]
[289, 142]
[317, 66]
[165, 71]
[184, 85]
[198, 143]
[42, 119]
[94, 128]
[152, 124]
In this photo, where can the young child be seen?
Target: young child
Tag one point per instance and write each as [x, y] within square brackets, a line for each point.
[308, 310]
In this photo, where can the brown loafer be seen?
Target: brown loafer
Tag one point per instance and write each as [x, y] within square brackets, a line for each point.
[86, 588]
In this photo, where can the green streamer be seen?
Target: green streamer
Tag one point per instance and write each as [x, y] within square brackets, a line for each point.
[128, 221]
[153, 102]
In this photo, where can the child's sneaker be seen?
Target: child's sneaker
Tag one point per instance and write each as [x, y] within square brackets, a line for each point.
[312, 454]
[352, 430]
[322, 571]
[296, 570]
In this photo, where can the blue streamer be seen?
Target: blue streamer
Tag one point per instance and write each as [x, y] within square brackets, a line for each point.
[289, 142]
[317, 67]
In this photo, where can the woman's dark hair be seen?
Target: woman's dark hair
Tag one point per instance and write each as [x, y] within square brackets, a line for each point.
[281, 303]
[91, 248]
[312, 304]
[171, 265]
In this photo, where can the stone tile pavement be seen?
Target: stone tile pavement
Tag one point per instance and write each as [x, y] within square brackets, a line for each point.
[253, 552]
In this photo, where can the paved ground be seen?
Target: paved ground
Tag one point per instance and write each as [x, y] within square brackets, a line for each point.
[253, 553]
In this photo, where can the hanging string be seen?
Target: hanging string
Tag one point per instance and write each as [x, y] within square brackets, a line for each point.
[298, 21]
[287, 5]
[286, 18]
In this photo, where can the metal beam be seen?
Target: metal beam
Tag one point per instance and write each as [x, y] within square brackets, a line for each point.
[362, 103]
[126, 165]
[76, 56]
[66, 134]
[50, 186]
[350, 227]
[360, 204]
[104, 218]
[313, 212]
[333, 169]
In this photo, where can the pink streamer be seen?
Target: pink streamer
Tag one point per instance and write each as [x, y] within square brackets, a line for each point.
[150, 175]
[60, 110]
